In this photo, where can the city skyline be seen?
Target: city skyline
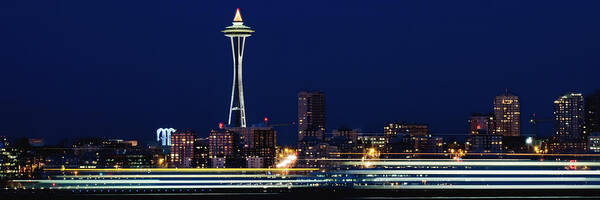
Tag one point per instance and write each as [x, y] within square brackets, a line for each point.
[406, 115]
[138, 106]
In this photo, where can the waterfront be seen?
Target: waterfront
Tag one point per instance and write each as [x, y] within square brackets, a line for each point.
[389, 178]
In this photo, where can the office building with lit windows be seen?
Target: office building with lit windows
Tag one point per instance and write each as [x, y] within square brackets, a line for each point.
[182, 149]
[365, 141]
[201, 153]
[481, 124]
[262, 145]
[592, 112]
[594, 142]
[311, 114]
[224, 148]
[507, 115]
[393, 129]
[484, 144]
[569, 119]
[569, 116]
[222, 143]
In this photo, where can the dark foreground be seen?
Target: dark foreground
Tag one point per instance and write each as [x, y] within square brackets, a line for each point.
[308, 194]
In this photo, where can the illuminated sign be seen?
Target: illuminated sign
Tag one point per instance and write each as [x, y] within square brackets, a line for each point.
[163, 135]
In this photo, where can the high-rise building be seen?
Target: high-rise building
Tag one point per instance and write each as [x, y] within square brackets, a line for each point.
[481, 124]
[592, 112]
[237, 33]
[311, 115]
[394, 129]
[9, 157]
[222, 143]
[507, 115]
[569, 116]
[201, 153]
[593, 142]
[262, 145]
[182, 149]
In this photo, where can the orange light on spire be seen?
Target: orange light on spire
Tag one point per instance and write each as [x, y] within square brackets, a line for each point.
[238, 16]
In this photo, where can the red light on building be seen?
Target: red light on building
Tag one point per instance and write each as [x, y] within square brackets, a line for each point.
[221, 125]
[266, 120]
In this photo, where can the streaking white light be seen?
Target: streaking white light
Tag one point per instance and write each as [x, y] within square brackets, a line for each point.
[476, 163]
[482, 172]
[287, 162]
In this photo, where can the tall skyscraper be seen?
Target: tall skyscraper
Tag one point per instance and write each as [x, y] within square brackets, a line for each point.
[592, 112]
[507, 115]
[569, 116]
[311, 114]
[237, 33]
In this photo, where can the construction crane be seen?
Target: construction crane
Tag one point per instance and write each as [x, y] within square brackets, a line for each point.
[534, 121]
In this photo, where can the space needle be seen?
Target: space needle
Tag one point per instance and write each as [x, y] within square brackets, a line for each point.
[237, 33]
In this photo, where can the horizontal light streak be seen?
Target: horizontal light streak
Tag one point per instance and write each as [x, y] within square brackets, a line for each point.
[405, 159]
[156, 181]
[126, 187]
[483, 187]
[476, 163]
[181, 169]
[407, 179]
[482, 154]
[490, 179]
[181, 176]
[469, 172]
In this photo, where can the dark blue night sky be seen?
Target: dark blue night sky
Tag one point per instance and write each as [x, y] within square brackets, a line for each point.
[124, 68]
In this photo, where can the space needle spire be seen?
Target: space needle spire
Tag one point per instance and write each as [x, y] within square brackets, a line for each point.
[237, 33]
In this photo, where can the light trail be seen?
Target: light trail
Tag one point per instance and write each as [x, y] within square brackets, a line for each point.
[127, 187]
[408, 159]
[477, 163]
[481, 187]
[181, 176]
[407, 179]
[156, 181]
[483, 154]
[492, 179]
[182, 169]
[469, 172]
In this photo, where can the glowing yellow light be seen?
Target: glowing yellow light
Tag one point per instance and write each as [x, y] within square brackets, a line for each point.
[238, 16]
[179, 169]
